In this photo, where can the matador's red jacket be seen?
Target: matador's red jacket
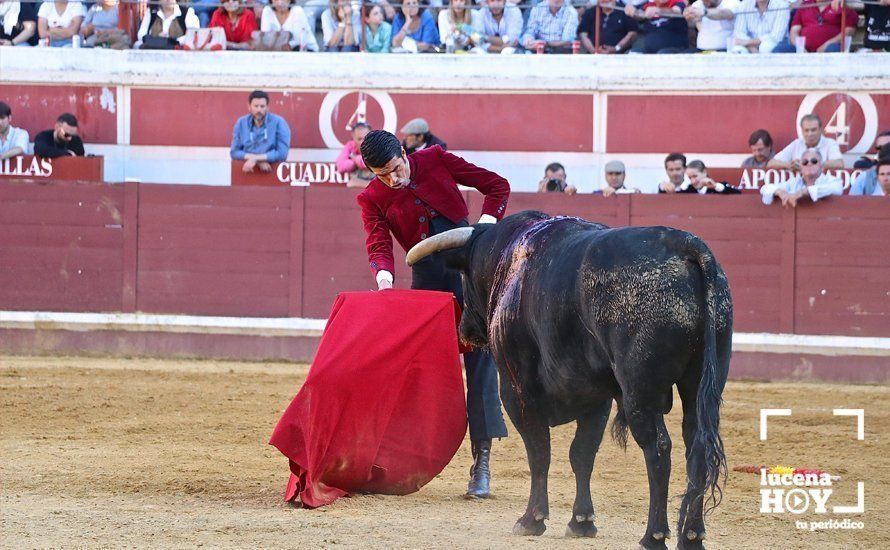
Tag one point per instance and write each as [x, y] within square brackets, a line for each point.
[435, 175]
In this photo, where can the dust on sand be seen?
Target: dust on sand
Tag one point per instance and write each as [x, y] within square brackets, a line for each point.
[159, 453]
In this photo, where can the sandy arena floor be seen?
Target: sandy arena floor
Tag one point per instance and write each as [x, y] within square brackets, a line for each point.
[151, 453]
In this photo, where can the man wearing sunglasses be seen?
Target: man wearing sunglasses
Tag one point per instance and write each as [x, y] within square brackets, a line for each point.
[61, 141]
[812, 183]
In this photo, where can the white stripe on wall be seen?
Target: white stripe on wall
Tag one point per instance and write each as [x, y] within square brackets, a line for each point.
[830, 345]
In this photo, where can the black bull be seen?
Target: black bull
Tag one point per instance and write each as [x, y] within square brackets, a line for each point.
[577, 314]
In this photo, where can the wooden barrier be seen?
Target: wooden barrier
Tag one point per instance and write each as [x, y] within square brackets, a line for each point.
[27, 167]
[288, 251]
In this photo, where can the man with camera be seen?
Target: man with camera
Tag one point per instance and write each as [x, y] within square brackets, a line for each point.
[554, 180]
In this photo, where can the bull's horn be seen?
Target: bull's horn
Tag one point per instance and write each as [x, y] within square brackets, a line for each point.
[454, 238]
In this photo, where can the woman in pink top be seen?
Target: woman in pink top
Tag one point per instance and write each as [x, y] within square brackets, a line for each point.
[350, 159]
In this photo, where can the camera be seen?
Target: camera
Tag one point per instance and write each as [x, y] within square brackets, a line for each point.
[554, 185]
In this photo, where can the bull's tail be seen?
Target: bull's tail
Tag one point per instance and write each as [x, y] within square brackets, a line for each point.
[707, 459]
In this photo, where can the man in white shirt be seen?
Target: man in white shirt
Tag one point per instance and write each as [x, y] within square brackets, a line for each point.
[812, 183]
[13, 141]
[714, 20]
[811, 130]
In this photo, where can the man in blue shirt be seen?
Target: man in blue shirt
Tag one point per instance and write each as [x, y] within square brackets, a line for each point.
[260, 138]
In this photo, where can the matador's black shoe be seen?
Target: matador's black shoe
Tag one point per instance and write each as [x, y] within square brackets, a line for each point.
[480, 472]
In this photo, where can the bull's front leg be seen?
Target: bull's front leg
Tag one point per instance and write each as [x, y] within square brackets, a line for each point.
[588, 436]
[535, 432]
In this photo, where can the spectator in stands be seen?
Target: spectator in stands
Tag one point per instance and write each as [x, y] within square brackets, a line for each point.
[260, 138]
[864, 162]
[166, 26]
[283, 16]
[812, 183]
[378, 33]
[414, 29]
[59, 22]
[350, 159]
[13, 141]
[501, 26]
[19, 23]
[761, 144]
[341, 27]
[867, 182]
[820, 27]
[883, 172]
[664, 31]
[701, 183]
[418, 136]
[715, 22]
[877, 24]
[615, 174]
[811, 128]
[553, 22]
[458, 24]
[675, 168]
[554, 180]
[61, 141]
[238, 22]
[761, 26]
[617, 31]
[100, 27]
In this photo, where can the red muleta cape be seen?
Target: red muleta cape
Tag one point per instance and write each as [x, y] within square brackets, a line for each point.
[382, 409]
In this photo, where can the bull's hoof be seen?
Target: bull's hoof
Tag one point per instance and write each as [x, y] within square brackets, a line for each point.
[584, 528]
[529, 527]
[691, 541]
[655, 541]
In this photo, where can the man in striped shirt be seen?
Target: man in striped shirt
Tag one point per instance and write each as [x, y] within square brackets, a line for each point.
[761, 25]
[555, 23]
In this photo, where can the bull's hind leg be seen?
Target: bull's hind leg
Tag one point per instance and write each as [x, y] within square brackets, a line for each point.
[535, 432]
[588, 436]
[691, 526]
[646, 421]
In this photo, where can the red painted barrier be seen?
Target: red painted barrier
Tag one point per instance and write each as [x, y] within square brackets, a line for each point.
[28, 167]
[288, 251]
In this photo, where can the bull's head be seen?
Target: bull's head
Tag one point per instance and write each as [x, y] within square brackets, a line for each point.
[475, 252]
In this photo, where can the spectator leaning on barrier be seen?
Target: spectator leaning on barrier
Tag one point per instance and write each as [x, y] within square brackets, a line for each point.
[554, 180]
[820, 27]
[350, 159]
[59, 22]
[378, 33]
[501, 25]
[165, 26]
[341, 27]
[812, 183]
[715, 22]
[675, 168]
[877, 24]
[61, 141]
[260, 138]
[761, 25]
[867, 182]
[13, 141]
[663, 27]
[811, 128]
[417, 24]
[615, 174]
[283, 16]
[100, 27]
[617, 31]
[701, 183]
[553, 22]
[237, 21]
[418, 136]
[761, 144]
[18, 23]
[864, 162]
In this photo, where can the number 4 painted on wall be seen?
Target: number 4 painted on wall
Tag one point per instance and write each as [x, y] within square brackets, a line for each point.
[838, 126]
